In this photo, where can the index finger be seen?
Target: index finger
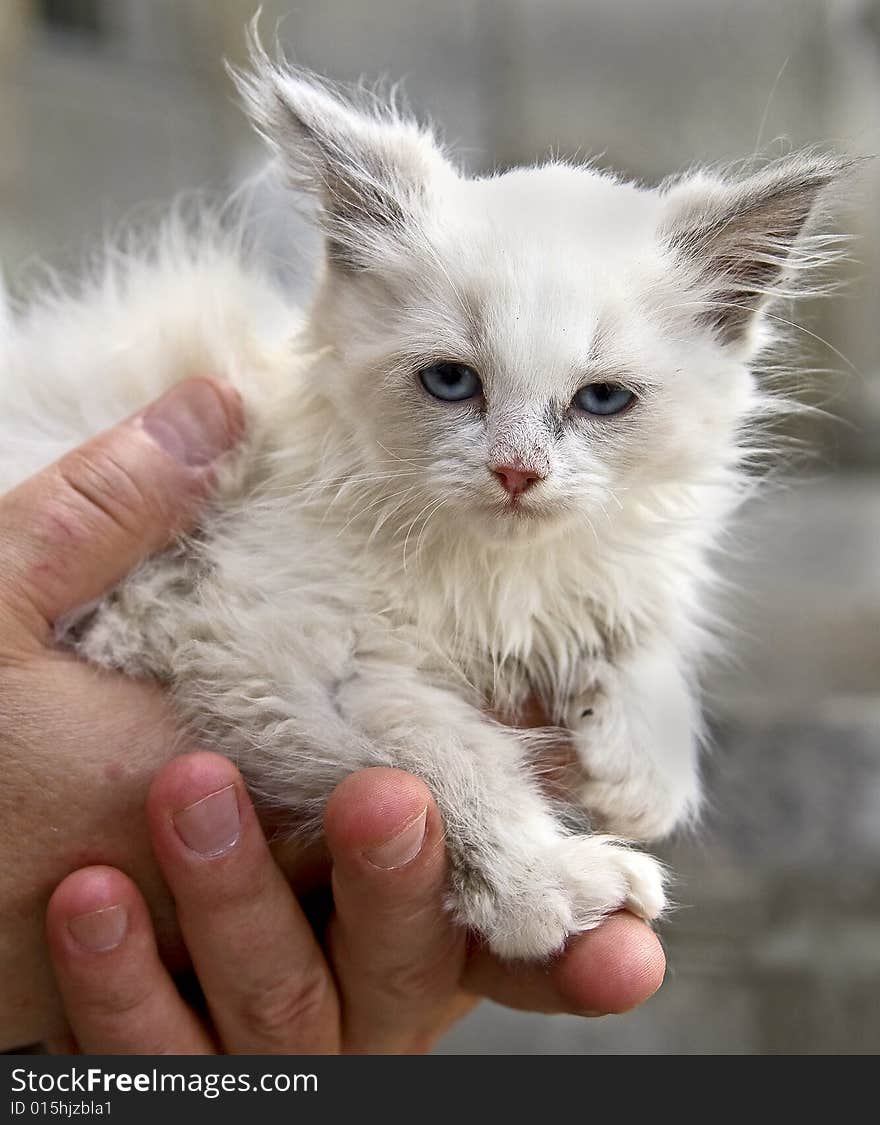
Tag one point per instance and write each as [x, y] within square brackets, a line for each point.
[73, 530]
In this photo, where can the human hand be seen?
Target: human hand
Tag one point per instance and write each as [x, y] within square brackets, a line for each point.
[80, 745]
[390, 976]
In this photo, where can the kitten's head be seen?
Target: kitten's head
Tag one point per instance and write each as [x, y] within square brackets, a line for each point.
[541, 345]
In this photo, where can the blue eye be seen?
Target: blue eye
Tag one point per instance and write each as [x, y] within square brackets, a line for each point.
[604, 398]
[451, 382]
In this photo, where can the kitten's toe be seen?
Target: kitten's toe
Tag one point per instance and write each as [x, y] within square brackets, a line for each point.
[529, 917]
[647, 885]
[605, 875]
[531, 936]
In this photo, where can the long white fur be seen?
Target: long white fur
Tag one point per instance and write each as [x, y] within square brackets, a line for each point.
[363, 591]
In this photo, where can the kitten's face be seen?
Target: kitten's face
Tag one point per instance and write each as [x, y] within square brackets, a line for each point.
[537, 361]
[532, 351]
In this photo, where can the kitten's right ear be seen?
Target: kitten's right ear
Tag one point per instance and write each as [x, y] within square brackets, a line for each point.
[368, 164]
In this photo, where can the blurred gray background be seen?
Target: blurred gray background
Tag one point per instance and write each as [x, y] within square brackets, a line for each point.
[107, 104]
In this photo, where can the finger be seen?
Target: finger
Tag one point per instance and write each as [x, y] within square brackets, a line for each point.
[73, 530]
[61, 1043]
[117, 994]
[259, 965]
[396, 954]
[605, 971]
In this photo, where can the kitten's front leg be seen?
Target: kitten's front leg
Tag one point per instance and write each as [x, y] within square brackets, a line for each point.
[517, 877]
[636, 729]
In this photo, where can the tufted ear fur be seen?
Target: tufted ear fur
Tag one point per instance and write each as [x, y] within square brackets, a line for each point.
[749, 241]
[368, 164]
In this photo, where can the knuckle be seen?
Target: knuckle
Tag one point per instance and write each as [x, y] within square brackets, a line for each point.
[413, 981]
[112, 1002]
[424, 964]
[292, 1002]
[106, 487]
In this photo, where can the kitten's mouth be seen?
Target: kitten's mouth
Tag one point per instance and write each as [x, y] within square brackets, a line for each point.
[517, 521]
[520, 509]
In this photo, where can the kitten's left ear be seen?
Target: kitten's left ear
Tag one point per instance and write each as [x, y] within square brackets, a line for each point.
[368, 164]
[745, 243]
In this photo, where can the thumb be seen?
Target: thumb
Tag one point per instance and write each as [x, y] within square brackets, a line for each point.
[79, 526]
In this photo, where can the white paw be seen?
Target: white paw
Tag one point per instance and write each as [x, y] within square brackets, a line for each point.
[626, 808]
[568, 890]
[635, 733]
[603, 875]
[622, 788]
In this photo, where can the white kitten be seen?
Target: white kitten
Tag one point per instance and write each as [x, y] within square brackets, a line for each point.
[488, 461]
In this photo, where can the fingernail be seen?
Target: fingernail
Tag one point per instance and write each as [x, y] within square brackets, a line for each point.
[192, 424]
[402, 848]
[100, 930]
[212, 825]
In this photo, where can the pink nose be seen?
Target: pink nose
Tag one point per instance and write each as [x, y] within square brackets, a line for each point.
[515, 478]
